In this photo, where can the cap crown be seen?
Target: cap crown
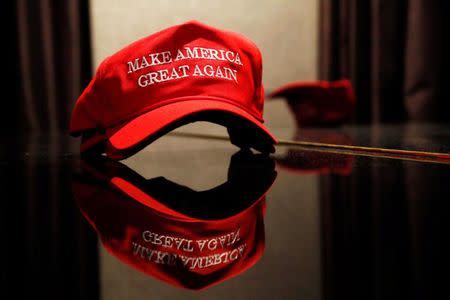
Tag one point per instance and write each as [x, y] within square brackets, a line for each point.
[191, 61]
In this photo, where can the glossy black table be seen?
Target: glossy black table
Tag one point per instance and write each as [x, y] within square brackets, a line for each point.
[301, 224]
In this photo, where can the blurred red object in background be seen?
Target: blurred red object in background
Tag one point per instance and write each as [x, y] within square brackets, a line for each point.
[318, 103]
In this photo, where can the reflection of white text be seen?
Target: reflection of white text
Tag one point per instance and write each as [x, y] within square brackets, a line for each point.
[188, 245]
[191, 262]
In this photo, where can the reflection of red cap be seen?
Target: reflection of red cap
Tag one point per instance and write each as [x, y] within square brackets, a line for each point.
[315, 162]
[188, 239]
[318, 102]
[182, 74]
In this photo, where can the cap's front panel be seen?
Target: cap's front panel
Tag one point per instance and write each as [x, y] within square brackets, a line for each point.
[188, 62]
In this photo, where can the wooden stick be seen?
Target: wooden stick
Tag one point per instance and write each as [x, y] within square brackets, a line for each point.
[437, 157]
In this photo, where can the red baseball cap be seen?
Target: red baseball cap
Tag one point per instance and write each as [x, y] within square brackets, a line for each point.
[185, 73]
[318, 103]
[185, 238]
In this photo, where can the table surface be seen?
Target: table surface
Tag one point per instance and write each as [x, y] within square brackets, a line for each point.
[411, 137]
[192, 218]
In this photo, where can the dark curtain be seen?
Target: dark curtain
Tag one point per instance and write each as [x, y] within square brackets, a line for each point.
[383, 225]
[394, 52]
[48, 63]
[48, 249]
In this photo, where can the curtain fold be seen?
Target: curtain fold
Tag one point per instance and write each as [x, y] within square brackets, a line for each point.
[394, 52]
[50, 61]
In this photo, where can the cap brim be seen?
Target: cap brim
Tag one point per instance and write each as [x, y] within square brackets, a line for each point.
[140, 196]
[139, 129]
